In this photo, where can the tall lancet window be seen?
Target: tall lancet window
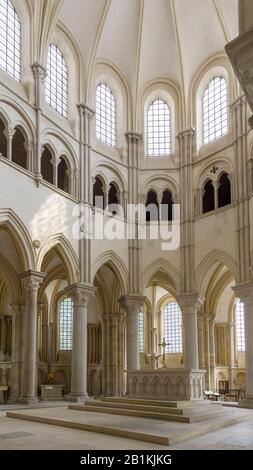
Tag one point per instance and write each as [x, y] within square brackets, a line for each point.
[105, 115]
[240, 326]
[57, 81]
[173, 328]
[158, 129]
[215, 110]
[10, 39]
[66, 324]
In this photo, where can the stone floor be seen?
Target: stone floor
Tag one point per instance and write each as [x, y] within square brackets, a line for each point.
[17, 435]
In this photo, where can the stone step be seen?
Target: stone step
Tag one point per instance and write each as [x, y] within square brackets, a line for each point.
[100, 429]
[163, 433]
[191, 418]
[152, 407]
[165, 403]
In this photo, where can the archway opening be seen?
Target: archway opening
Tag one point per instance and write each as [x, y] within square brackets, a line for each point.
[19, 152]
[208, 197]
[63, 176]
[3, 139]
[46, 166]
[224, 190]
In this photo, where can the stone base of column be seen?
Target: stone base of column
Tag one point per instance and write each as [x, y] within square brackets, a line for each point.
[247, 402]
[75, 398]
[28, 401]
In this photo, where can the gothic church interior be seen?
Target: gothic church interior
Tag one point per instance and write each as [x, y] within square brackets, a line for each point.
[106, 104]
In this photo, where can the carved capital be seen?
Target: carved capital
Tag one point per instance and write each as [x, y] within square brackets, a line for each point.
[29, 145]
[132, 303]
[244, 292]
[133, 137]
[9, 132]
[87, 112]
[32, 280]
[239, 52]
[80, 293]
[190, 302]
[190, 132]
[39, 71]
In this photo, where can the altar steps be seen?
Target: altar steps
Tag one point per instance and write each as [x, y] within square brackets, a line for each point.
[186, 413]
[158, 431]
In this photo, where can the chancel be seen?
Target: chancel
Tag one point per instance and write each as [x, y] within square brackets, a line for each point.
[122, 121]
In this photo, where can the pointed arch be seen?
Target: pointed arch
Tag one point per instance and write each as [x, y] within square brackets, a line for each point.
[66, 253]
[164, 266]
[215, 256]
[117, 265]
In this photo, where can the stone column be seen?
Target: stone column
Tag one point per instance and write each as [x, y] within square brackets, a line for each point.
[81, 295]
[133, 141]
[29, 147]
[39, 73]
[9, 134]
[31, 281]
[132, 303]
[201, 340]
[230, 327]
[186, 140]
[190, 304]
[86, 115]
[212, 351]
[244, 292]
[16, 311]
[3, 334]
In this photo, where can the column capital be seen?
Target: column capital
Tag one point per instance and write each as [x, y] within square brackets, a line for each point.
[240, 56]
[32, 279]
[132, 302]
[190, 302]
[186, 132]
[39, 71]
[244, 291]
[88, 112]
[133, 136]
[29, 145]
[81, 293]
[9, 132]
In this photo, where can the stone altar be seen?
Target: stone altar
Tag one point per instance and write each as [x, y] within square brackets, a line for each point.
[51, 392]
[166, 384]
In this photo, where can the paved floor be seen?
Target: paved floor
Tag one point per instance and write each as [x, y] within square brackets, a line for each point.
[18, 435]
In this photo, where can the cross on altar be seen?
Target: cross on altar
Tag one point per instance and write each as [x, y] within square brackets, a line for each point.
[163, 345]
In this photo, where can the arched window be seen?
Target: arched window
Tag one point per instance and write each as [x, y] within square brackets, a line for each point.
[3, 139]
[215, 110]
[113, 199]
[57, 81]
[224, 190]
[240, 325]
[66, 324]
[173, 328]
[105, 115]
[62, 175]
[141, 331]
[208, 197]
[98, 194]
[46, 166]
[19, 153]
[10, 40]
[152, 207]
[167, 205]
[158, 129]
